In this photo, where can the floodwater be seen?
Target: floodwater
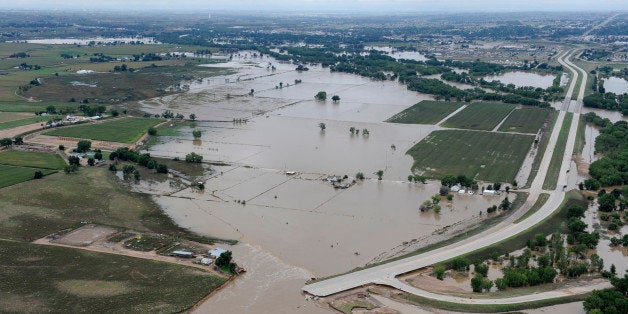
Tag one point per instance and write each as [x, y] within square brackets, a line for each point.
[294, 227]
[616, 85]
[85, 41]
[612, 115]
[588, 150]
[520, 78]
[391, 51]
[611, 255]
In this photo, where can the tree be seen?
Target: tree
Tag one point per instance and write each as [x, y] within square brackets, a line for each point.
[606, 202]
[6, 142]
[352, 130]
[98, 155]
[477, 283]
[193, 157]
[322, 126]
[38, 175]
[83, 146]
[335, 98]
[152, 131]
[380, 174]
[61, 147]
[575, 211]
[74, 160]
[440, 273]
[505, 204]
[321, 95]
[481, 269]
[114, 113]
[460, 264]
[196, 133]
[91, 161]
[359, 176]
[224, 259]
[193, 116]
[448, 180]
[18, 140]
[161, 168]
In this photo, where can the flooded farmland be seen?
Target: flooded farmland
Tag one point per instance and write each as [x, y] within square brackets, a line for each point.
[520, 78]
[269, 189]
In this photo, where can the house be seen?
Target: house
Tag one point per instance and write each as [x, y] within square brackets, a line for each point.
[216, 252]
[489, 192]
[333, 179]
[455, 188]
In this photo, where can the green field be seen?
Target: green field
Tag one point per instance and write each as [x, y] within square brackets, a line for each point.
[21, 122]
[126, 130]
[553, 171]
[31, 159]
[482, 155]
[10, 175]
[37, 106]
[526, 120]
[425, 112]
[479, 116]
[41, 279]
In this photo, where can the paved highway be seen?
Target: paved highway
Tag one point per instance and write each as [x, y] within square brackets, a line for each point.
[386, 273]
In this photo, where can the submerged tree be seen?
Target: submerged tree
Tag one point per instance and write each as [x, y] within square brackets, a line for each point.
[322, 126]
[321, 95]
[335, 98]
[380, 174]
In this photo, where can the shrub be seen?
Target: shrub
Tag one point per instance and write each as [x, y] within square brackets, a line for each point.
[61, 147]
[74, 160]
[440, 273]
[83, 146]
[152, 131]
[193, 157]
[196, 133]
[38, 174]
[91, 161]
[161, 168]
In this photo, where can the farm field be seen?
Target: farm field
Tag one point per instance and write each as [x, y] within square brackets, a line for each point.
[525, 120]
[31, 159]
[21, 122]
[479, 116]
[65, 282]
[425, 112]
[10, 175]
[127, 130]
[481, 155]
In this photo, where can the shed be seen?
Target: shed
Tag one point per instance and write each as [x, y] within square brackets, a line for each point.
[181, 253]
[461, 191]
[206, 261]
[489, 192]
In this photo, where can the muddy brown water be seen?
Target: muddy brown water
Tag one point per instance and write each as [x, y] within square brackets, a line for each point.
[520, 78]
[294, 227]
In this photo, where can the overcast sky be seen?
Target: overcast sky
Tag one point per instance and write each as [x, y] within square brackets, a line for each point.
[322, 5]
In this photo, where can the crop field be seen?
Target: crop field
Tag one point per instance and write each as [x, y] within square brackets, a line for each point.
[39, 279]
[526, 120]
[127, 130]
[480, 155]
[32, 107]
[21, 122]
[425, 112]
[10, 175]
[31, 159]
[479, 116]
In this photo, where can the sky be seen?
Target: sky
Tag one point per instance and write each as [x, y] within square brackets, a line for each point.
[373, 6]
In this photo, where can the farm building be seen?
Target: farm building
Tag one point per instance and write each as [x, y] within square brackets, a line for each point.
[180, 253]
[216, 252]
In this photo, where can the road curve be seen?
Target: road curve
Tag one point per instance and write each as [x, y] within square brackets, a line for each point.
[387, 273]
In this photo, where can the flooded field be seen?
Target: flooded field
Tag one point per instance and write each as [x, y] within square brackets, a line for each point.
[610, 254]
[85, 41]
[296, 226]
[520, 78]
[408, 55]
[616, 85]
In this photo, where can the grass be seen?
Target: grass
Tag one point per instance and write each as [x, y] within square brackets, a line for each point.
[35, 107]
[487, 156]
[127, 130]
[38, 278]
[555, 222]
[32, 159]
[425, 112]
[347, 307]
[541, 147]
[21, 122]
[479, 116]
[543, 197]
[484, 308]
[175, 129]
[13, 175]
[526, 120]
[37, 208]
[557, 157]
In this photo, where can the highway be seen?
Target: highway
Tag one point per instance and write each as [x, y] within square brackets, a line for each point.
[386, 274]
